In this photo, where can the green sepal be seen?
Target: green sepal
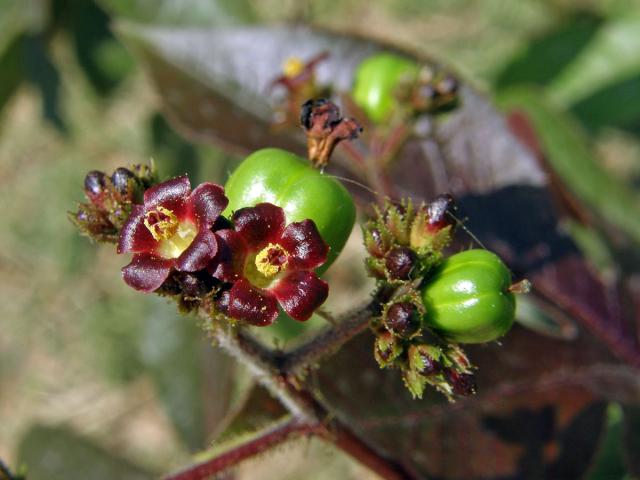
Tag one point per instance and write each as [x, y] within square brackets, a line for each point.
[414, 382]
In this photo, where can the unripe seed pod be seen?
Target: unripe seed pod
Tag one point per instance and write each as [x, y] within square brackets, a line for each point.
[94, 187]
[403, 319]
[400, 262]
[468, 298]
[378, 79]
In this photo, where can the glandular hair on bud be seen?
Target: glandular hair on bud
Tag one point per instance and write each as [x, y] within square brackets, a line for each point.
[403, 319]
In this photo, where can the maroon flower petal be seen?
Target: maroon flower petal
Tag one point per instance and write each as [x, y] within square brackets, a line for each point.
[198, 255]
[306, 248]
[251, 304]
[206, 203]
[259, 225]
[135, 237]
[229, 261]
[300, 293]
[146, 272]
[171, 194]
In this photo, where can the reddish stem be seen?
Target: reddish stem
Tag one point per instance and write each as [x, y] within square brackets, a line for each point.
[263, 442]
[350, 443]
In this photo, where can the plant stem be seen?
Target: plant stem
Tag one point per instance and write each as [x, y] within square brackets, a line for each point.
[263, 365]
[275, 435]
[309, 415]
[327, 342]
[350, 443]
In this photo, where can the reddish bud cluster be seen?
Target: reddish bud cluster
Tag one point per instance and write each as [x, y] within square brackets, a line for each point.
[405, 244]
[109, 201]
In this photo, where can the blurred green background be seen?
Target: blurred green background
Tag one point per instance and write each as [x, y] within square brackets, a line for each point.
[97, 381]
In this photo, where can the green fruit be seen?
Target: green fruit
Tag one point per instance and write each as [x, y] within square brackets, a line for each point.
[288, 181]
[468, 299]
[377, 79]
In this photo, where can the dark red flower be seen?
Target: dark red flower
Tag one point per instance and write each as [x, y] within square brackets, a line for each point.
[172, 229]
[268, 264]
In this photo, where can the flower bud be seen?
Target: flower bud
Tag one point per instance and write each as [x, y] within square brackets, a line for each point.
[448, 86]
[463, 384]
[397, 218]
[403, 319]
[400, 262]
[377, 242]
[386, 349]
[431, 229]
[438, 212]
[124, 182]
[94, 187]
[93, 222]
[423, 359]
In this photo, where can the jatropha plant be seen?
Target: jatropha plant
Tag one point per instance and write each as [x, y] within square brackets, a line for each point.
[243, 255]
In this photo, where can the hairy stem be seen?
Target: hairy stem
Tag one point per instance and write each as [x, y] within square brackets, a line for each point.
[327, 342]
[273, 436]
[263, 365]
[351, 444]
[309, 415]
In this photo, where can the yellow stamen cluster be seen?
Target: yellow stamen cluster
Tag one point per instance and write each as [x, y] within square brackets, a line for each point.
[271, 260]
[162, 223]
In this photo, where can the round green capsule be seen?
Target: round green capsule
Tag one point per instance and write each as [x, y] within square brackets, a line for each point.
[288, 181]
[468, 299]
[377, 79]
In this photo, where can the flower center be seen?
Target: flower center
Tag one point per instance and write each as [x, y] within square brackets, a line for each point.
[271, 260]
[173, 236]
[162, 223]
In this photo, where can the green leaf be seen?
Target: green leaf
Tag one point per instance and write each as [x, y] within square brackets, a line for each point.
[20, 16]
[43, 74]
[104, 60]
[610, 57]
[60, 453]
[615, 105]
[12, 70]
[631, 438]
[182, 12]
[569, 155]
[609, 462]
[543, 58]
